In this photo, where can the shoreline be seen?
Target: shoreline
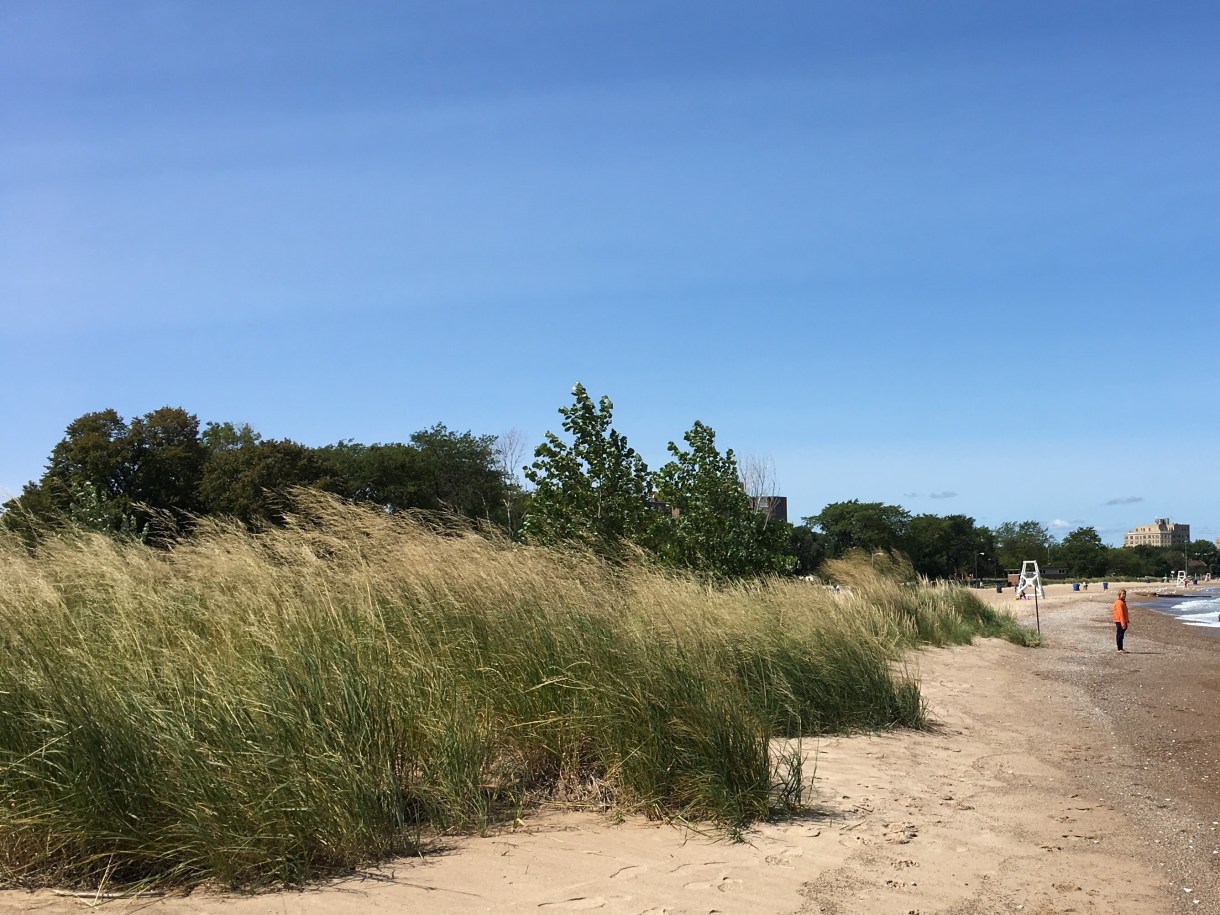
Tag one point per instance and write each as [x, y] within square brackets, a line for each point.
[1062, 778]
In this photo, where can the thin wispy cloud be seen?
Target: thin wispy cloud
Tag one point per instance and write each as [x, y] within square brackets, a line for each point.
[946, 494]
[1126, 500]
[1059, 524]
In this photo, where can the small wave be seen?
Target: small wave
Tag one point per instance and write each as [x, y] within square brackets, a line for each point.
[1202, 612]
[1198, 605]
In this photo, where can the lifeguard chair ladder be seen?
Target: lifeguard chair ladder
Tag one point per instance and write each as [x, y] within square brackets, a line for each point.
[1030, 578]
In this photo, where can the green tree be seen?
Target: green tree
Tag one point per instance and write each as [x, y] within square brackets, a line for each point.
[807, 547]
[439, 470]
[1083, 553]
[949, 546]
[594, 490]
[1125, 564]
[387, 475]
[252, 483]
[1017, 542]
[1156, 560]
[227, 436]
[856, 525]
[1204, 557]
[114, 477]
[31, 513]
[165, 460]
[459, 471]
[712, 527]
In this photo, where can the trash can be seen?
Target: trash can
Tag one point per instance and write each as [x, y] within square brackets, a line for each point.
[1105, 586]
[1075, 586]
[999, 589]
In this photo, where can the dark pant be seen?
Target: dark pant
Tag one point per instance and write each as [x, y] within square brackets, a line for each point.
[1119, 632]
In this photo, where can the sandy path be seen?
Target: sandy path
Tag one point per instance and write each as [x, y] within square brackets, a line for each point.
[1019, 801]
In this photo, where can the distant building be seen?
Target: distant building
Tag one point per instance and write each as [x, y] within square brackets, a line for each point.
[1162, 533]
[774, 507]
[654, 501]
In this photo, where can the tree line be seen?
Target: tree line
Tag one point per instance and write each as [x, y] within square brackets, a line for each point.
[954, 546]
[154, 476]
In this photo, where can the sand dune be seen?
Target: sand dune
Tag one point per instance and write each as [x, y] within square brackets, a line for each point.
[1057, 780]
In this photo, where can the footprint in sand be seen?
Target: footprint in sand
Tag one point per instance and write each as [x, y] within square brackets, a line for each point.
[724, 884]
[900, 833]
[781, 856]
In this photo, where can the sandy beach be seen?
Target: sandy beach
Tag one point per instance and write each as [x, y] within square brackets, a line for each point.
[1068, 778]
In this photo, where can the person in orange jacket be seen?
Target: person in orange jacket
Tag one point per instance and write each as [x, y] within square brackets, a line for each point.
[1121, 619]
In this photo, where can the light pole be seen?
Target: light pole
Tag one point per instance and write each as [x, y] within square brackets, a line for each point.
[976, 565]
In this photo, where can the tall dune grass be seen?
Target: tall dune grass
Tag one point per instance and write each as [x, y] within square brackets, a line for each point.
[269, 708]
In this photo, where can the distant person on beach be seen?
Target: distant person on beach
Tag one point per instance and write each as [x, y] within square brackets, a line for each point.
[1121, 619]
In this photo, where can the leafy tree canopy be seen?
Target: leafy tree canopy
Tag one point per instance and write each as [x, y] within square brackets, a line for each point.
[251, 483]
[949, 546]
[1017, 542]
[712, 527]
[856, 525]
[226, 436]
[386, 475]
[460, 471]
[1083, 553]
[594, 489]
[111, 476]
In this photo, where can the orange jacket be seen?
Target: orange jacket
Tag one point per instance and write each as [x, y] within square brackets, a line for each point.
[1120, 611]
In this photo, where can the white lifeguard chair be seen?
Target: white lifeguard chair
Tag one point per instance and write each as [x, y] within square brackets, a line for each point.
[1182, 579]
[1031, 577]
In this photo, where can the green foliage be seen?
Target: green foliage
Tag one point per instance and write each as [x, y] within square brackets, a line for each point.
[595, 490]
[1083, 553]
[856, 525]
[1128, 564]
[251, 483]
[439, 470]
[712, 527]
[949, 546]
[458, 472]
[113, 477]
[227, 436]
[386, 475]
[806, 546]
[1017, 542]
[1204, 557]
[166, 460]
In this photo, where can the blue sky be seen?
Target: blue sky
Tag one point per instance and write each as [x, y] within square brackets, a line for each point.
[958, 256]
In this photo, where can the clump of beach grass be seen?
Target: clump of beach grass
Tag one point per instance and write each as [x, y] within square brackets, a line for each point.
[933, 615]
[268, 708]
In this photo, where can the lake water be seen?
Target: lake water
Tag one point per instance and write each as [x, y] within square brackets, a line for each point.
[1201, 610]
